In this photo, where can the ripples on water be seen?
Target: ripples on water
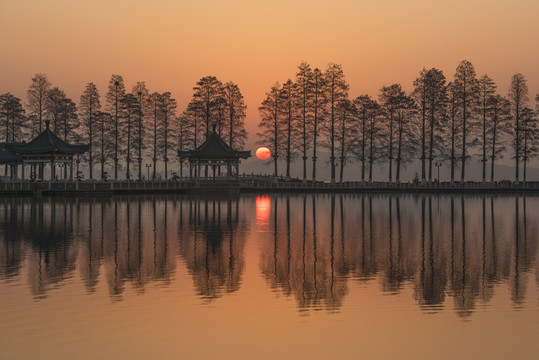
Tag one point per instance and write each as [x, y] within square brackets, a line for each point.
[446, 253]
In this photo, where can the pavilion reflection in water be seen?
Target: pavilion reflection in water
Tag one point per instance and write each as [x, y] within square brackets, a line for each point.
[313, 247]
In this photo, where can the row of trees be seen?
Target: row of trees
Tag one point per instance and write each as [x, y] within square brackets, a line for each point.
[439, 120]
[125, 128]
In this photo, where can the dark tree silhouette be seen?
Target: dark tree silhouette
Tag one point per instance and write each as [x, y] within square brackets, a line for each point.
[420, 94]
[363, 105]
[104, 140]
[154, 101]
[37, 94]
[90, 107]
[405, 111]
[453, 128]
[116, 91]
[208, 93]
[498, 127]
[530, 138]
[337, 90]
[272, 124]
[142, 94]
[53, 107]
[346, 133]
[290, 126]
[167, 108]
[487, 89]
[235, 115]
[12, 118]
[466, 86]
[317, 107]
[518, 96]
[436, 97]
[130, 110]
[304, 81]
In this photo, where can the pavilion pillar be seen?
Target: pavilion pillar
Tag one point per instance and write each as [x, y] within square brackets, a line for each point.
[71, 170]
[53, 170]
[237, 170]
[228, 169]
[198, 170]
[22, 170]
[213, 166]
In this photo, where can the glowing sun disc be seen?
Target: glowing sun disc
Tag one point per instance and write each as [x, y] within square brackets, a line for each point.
[263, 153]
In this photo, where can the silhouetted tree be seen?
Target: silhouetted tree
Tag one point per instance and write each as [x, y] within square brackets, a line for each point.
[436, 99]
[154, 101]
[90, 107]
[105, 139]
[530, 141]
[346, 133]
[453, 127]
[12, 117]
[37, 94]
[393, 101]
[54, 102]
[406, 143]
[167, 108]
[466, 86]
[183, 139]
[487, 89]
[272, 124]
[142, 94]
[130, 110]
[518, 96]
[235, 113]
[116, 91]
[208, 93]
[318, 103]
[363, 105]
[497, 127]
[420, 94]
[304, 82]
[290, 126]
[337, 90]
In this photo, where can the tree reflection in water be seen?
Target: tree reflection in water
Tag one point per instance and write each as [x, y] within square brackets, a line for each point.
[314, 248]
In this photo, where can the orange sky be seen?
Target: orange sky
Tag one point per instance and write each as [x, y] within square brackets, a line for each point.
[170, 44]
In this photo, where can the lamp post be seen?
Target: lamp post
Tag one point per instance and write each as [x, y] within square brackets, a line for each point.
[148, 167]
[438, 164]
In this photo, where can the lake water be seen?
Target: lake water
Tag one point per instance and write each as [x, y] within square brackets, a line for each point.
[341, 276]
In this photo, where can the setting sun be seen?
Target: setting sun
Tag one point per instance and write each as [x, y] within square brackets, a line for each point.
[263, 153]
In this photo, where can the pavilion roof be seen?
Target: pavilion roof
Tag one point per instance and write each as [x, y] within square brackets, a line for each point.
[7, 156]
[47, 142]
[214, 148]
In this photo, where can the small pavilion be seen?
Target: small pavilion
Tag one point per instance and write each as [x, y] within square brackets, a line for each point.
[46, 148]
[214, 153]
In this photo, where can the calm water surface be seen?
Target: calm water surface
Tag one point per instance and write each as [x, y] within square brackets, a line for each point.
[270, 276]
